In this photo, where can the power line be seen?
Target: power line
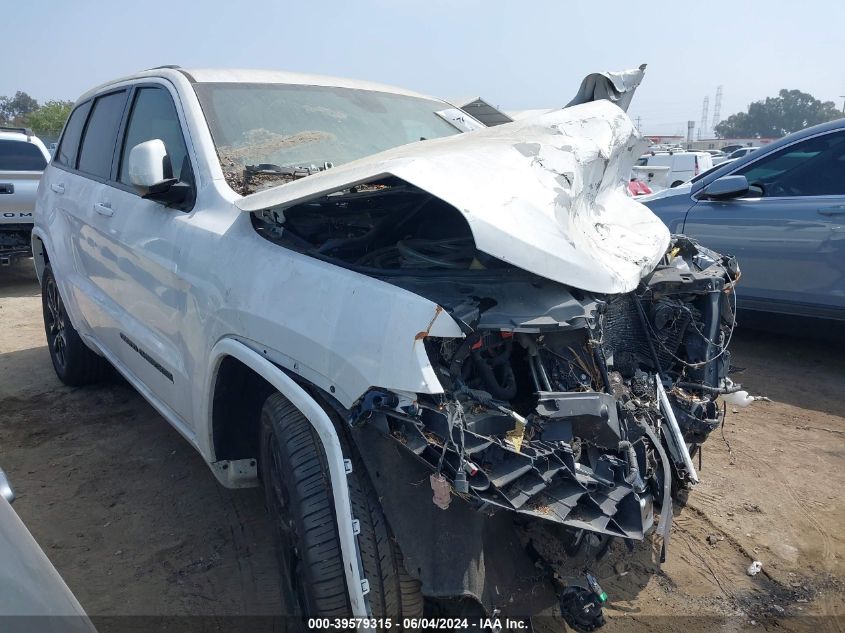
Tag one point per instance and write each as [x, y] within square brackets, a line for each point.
[704, 109]
[717, 107]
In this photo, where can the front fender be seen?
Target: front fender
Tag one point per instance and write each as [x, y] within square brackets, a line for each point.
[319, 419]
[40, 248]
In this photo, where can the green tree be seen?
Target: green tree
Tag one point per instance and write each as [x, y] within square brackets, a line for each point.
[14, 109]
[49, 119]
[790, 111]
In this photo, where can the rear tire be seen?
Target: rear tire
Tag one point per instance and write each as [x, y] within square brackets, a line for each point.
[75, 363]
[299, 499]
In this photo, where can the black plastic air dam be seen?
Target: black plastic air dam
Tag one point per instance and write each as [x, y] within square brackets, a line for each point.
[455, 552]
[542, 480]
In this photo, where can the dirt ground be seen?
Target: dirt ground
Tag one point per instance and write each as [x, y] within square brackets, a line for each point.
[136, 524]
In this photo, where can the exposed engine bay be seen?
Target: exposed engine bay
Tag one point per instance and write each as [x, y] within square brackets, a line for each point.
[572, 359]
[560, 405]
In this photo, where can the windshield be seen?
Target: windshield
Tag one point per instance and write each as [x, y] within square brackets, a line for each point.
[287, 125]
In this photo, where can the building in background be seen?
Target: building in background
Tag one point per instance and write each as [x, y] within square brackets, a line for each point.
[665, 139]
[478, 108]
[518, 115]
[719, 143]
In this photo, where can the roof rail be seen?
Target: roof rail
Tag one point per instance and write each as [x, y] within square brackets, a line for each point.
[22, 130]
[170, 66]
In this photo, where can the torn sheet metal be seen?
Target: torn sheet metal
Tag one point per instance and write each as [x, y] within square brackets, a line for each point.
[546, 194]
[616, 87]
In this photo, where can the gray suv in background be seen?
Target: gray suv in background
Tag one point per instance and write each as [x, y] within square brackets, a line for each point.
[781, 211]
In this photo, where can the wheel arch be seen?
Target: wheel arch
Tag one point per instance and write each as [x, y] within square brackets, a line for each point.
[237, 360]
[40, 254]
[238, 393]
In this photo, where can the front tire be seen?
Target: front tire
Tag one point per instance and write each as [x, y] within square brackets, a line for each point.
[75, 363]
[299, 499]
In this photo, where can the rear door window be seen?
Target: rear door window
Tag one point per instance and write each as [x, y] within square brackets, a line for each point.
[97, 150]
[21, 156]
[69, 145]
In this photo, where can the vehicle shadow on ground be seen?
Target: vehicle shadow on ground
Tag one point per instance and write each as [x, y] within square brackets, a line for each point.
[19, 280]
[803, 372]
[126, 509]
[27, 372]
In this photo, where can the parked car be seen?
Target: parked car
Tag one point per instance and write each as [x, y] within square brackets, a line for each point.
[33, 596]
[781, 210]
[682, 165]
[23, 158]
[326, 305]
[712, 169]
[742, 151]
[638, 188]
[717, 155]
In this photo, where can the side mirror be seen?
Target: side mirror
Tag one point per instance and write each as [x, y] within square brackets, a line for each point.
[151, 173]
[147, 162]
[727, 188]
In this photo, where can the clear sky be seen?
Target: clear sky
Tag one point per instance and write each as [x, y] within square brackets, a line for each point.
[516, 55]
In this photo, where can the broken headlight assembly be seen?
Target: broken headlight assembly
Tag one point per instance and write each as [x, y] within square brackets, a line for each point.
[588, 423]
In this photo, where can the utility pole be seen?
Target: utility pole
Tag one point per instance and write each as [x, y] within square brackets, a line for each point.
[843, 102]
[638, 124]
[705, 107]
[717, 108]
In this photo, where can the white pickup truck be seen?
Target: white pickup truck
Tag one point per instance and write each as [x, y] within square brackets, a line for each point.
[23, 158]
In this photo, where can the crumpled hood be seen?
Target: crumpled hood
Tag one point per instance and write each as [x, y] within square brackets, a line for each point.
[546, 194]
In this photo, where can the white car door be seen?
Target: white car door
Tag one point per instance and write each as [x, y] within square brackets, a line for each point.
[146, 239]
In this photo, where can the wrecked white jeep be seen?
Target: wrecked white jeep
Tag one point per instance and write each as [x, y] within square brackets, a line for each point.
[421, 336]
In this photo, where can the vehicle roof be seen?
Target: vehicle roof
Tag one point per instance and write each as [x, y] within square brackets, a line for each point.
[239, 75]
[21, 137]
[750, 157]
[15, 136]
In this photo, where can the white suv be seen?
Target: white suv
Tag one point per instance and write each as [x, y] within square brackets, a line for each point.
[410, 330]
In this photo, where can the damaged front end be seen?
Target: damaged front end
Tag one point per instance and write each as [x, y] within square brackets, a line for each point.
[558, 405]
[576, 414]
[593, 347]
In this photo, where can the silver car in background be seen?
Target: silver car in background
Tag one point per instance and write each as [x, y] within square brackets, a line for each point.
[33, 597]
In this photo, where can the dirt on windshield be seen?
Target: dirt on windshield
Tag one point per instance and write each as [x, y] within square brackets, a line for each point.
[245, 177]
